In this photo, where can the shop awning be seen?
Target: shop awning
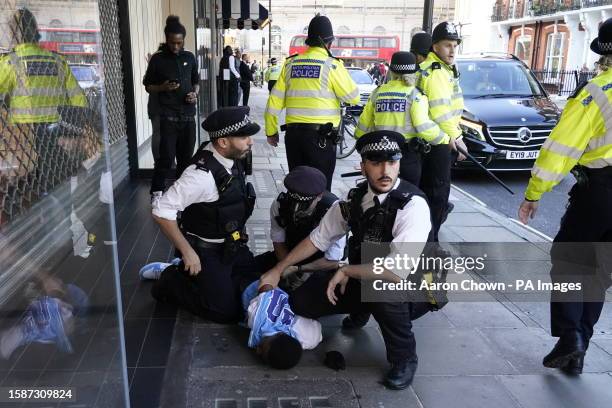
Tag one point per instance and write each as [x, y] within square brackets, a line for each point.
[242, 14]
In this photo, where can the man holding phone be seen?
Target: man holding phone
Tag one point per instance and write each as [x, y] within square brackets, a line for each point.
[172, 74]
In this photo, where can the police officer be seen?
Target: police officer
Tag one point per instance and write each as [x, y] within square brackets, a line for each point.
[439, 81]
[272, 73]
[293, 216]
[216, 202]
[420, 46]
[311, 87]
[172, 73]
[581, 142]
[35, 85]
[384, 209]
[399, 106]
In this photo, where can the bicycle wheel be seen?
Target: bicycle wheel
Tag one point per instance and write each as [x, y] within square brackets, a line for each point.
[346, 142]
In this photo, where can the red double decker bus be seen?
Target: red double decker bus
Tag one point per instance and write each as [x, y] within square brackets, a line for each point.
[79, 45]
[356, 49]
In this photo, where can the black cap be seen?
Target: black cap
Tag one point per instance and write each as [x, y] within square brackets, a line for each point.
[381, 145]
[272, 60]
[231, 121]
[319, 29]
[403, 62]
[602, 45]
[445, 31]
[420, 43]
[305, 183]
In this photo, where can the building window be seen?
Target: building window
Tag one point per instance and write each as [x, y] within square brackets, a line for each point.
[55, 23]
[343, 30]
[522, 48]
[379, 30]
[275, 37]
[554, 53]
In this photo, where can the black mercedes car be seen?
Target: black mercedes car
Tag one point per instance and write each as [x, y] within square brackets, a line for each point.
[507, 115]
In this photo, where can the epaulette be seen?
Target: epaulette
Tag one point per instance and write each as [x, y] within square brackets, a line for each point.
[291, 56]
[578, 89]
[201, 165]
[436, 65]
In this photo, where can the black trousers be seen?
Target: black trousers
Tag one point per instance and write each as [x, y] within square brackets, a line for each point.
[587, 220]
[435, 183]
[176, 140]
[232, 92]
[271, 84]
[303, 149]
[214, 293]
[246, 90]
[394, 319]
[410, 165]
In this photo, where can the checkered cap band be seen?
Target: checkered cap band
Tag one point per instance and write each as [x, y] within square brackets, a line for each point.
[605, 46]
[299, 197]
[395, 67]
[228, 130]
[384, 145]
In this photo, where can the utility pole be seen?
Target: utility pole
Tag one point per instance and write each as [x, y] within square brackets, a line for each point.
[270, 30]
[428, 15]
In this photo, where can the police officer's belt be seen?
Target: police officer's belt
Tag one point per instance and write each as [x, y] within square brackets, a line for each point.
[200, 243]
[178, 118]
[305, 126]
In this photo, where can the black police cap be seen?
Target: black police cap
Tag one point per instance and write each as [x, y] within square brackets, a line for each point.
[602, 45]
[305, 183]
[380, 145]
[319, 29]
[420, 43]
[403, 62]
[230, 121]
[445, 31]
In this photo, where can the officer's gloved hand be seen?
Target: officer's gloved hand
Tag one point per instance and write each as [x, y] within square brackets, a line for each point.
[273, 140]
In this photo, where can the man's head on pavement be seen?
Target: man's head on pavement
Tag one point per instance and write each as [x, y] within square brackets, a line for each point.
[175, 34]
[23, 27]
[320, 32]
[380, 158]
[420, 45]
[445, 40]
[230, 130]
[305, 186]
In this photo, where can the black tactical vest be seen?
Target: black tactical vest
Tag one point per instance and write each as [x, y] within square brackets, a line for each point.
[299, 227]
[221, 218]
[376, 223]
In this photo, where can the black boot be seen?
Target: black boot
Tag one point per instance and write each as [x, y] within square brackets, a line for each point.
[574, 367]
[401, 375]
[355, 321]
[569, 347]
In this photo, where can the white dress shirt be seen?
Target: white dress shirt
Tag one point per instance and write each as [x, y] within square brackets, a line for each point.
[232, 66]
[335, 252]
[412, 225]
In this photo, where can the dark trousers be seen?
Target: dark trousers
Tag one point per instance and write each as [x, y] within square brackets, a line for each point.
[410, 165]
[303, 149]
[246, 90]
[232, 92]
[394, 319]
[214, 293]
[271, 84]
[176, 140]
[587, 220]
[435, 183]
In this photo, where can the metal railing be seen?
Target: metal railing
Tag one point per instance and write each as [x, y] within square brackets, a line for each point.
[543, 7]
[562, 82]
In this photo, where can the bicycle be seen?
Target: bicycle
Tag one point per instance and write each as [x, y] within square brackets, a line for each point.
[346, 131]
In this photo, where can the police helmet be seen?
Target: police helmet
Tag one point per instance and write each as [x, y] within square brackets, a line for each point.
[420, 43]
[602, 45]
[403, 62]
[320, 31]
[445, 31]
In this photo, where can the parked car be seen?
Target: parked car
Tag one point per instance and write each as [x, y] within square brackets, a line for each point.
[364, 81]
[508, 114]
[85, 74]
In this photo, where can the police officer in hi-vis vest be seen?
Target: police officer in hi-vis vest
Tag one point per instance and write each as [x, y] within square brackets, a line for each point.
[310, 88]
[581, 143]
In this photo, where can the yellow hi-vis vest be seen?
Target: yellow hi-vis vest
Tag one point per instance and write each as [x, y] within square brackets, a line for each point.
[400, 108]
[437, 81]
[583, 136]
[272, 73]
[36, 82]
[311, 87]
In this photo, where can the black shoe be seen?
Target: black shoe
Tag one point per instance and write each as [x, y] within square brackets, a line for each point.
[355, 321]
[401, 375]
[449, 208]
[568, 347]
[574, 367]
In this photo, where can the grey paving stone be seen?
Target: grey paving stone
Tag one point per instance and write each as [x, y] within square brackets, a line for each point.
[559, 391]
[371, 393]
[266, 166]
[605, 343]
[446, 235]
[432, 319]
[462, 392]
[539, 311]
[462, 219]
[490, 234]
[504, 251]
[260, 159]
[265, 202]
[461, 206]
[480, 314]
[444, 351]
[525, 347]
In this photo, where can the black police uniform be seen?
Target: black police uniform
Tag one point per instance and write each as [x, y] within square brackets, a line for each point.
[375, 224]
[215, 230]
[177, 117]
